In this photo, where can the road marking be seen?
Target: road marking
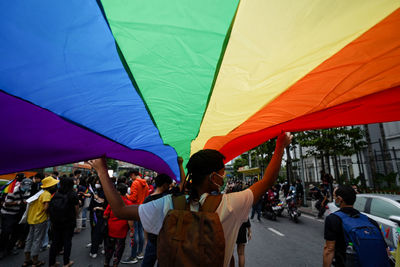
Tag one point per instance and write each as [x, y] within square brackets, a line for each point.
[311, 217]
[275, 231]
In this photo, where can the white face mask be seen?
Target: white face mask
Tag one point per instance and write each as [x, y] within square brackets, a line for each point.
[129, 191]
[97, 186]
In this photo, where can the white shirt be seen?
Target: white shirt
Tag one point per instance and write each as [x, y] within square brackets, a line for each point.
[232, 211]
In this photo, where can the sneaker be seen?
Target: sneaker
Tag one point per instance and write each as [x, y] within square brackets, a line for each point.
[140, 256]
[130, 260]
[103, 251]
[93, 256]
[89, 245]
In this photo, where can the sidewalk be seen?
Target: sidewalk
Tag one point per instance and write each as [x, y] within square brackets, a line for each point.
[309, 210]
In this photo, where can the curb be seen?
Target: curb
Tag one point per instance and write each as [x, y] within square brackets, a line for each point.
[307, 211]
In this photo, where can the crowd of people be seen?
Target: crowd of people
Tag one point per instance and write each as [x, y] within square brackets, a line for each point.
[189, 224]
[46, 212]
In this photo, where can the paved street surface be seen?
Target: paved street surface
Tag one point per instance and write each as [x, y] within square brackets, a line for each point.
[281, 243]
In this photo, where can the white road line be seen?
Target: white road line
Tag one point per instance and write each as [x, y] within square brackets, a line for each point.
[275, 231]
[311, 217]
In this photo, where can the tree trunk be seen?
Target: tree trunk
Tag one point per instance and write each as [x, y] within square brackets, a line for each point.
[328, 163]
[387, 162]
[336, 166]
[372, 163]
[322, 161]
[288, 165]
[360, 170]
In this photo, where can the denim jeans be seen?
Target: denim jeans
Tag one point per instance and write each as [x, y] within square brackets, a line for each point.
[46, 235]
[150, 254]
[256, 208]
[138, 239]
[84, 211]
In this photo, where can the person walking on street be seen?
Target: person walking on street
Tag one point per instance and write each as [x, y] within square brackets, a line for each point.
[37, 219]
[117, 230]
[97, 206]
[163, 182]
[244, 236]
[63, 209]
[352, 239]
[139, 191]
[11, 212]
[206, 172]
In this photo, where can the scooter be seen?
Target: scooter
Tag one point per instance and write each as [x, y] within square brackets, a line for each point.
[293, 212]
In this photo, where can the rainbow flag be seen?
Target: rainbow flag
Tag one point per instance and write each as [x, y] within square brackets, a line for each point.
[9, 187]
[87, 190]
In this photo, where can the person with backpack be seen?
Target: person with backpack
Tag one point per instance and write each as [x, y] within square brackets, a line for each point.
[352, 239]
[199, 229]
[63, 209]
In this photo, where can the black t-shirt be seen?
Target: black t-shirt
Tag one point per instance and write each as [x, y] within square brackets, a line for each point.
[316, 193]
[94, 203]
[69, 212]
[299, 189]
[150, 236]
[334, 232]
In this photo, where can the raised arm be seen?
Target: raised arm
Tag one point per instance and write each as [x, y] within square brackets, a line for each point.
[182, 173]
[118, 206]
[272, 171]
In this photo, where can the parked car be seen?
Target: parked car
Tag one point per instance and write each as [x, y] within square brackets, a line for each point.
[384, 209]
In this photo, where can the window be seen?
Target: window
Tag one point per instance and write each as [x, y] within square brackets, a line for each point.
[383, 209]
[360, 203]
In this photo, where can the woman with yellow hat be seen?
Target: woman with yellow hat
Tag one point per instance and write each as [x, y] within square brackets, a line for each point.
[37, 220]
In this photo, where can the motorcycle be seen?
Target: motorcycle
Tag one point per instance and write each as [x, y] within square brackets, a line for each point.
[278, 207]
[268, 207]
[293, 212]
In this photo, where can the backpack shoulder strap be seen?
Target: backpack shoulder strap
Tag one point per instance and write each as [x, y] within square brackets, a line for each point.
[179, 202]
[211, 203]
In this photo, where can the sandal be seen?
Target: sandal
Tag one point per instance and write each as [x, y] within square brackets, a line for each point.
[27, 263]
[70, 263]
[38, 263]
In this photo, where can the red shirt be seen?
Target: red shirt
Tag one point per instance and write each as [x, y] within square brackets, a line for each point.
[117, 228]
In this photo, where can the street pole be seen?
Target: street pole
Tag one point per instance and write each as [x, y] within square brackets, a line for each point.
[302, 176]
[248, 153]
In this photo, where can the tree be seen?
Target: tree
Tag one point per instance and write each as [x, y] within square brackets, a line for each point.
[112, 164]
[332, 143]
[261, 155]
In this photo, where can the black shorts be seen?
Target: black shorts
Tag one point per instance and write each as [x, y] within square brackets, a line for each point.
[242, 236]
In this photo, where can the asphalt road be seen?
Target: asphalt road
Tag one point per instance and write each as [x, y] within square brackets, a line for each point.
[278, 243]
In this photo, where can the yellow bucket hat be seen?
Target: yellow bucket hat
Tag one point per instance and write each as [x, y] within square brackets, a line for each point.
[49, 181]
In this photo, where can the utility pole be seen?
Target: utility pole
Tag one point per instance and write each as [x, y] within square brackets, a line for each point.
[303, 176]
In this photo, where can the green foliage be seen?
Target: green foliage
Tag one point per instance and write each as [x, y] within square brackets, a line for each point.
[112, 164]
[260, 156]
[335, 141]
[386, 182]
